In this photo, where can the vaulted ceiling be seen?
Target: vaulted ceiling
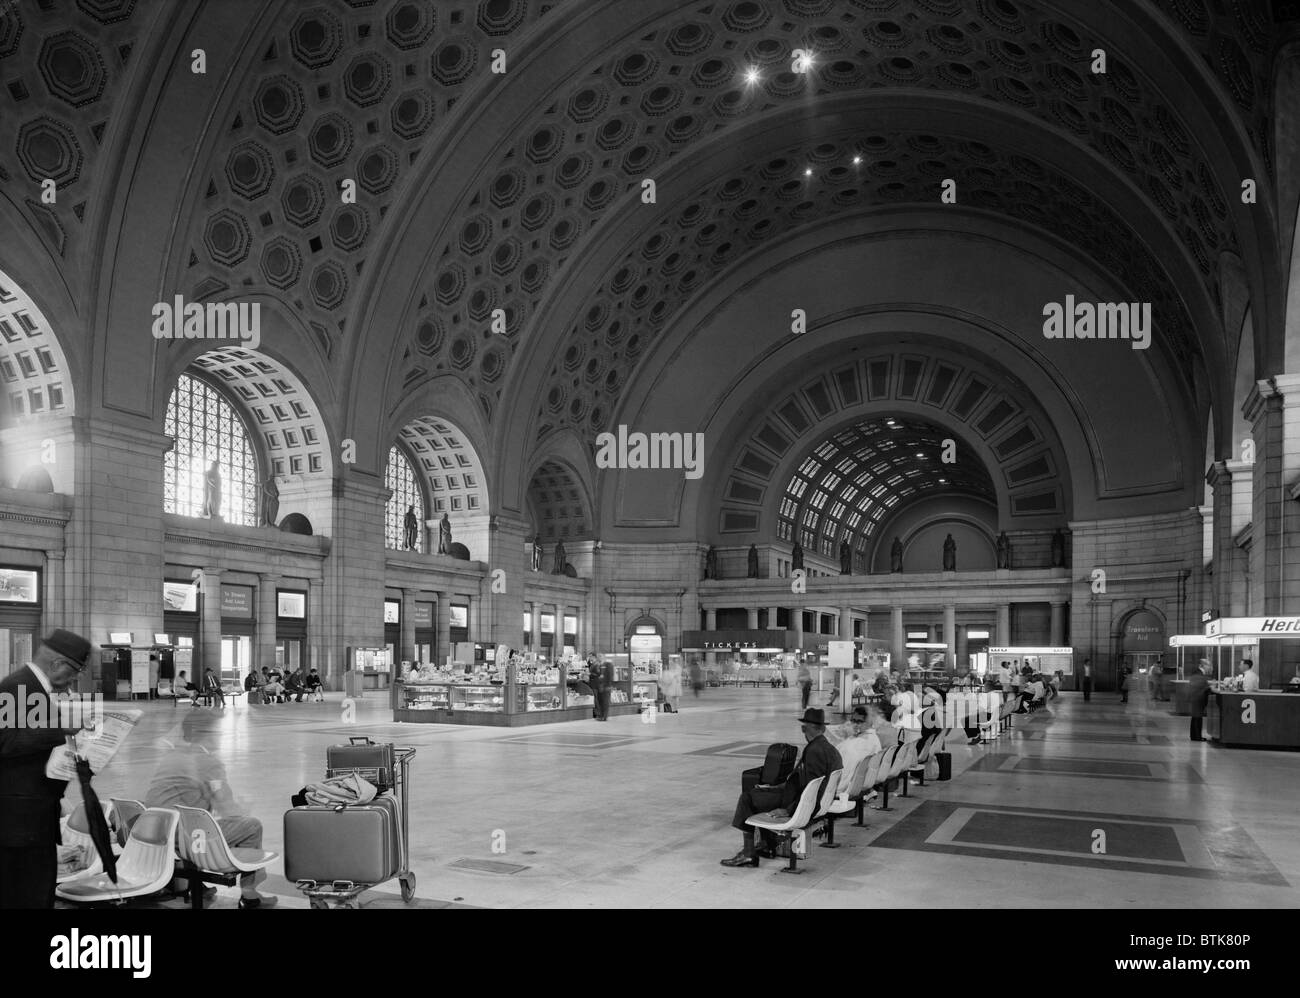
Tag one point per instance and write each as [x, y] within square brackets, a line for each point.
[523, 191]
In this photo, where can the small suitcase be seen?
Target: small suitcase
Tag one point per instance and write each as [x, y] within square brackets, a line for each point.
[357, 843]
[777, 766]
[370, 761]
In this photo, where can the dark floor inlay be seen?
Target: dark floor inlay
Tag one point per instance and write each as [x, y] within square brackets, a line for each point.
[1177, 847]
[758, 749]
[488, 866]
[1106, 769]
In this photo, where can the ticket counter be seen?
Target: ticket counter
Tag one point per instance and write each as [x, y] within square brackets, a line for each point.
[1262, 719]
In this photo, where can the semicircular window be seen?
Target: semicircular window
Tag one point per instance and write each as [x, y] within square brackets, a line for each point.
[210, 437]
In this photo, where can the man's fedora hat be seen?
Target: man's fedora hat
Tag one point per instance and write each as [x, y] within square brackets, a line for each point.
[814, 715]
[66, 644]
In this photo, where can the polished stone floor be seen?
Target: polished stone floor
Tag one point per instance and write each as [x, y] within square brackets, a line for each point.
[624, 813]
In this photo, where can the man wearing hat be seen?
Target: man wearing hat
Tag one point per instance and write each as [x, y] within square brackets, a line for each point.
[820, 758]
[29, 802]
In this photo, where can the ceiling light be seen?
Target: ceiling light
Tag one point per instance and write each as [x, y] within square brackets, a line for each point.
[943, 481]
[857, 160]
[808, 172]
[920, 455]
[751, 75]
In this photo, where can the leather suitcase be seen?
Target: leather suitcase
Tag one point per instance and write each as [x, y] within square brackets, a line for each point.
[358, 843]
[372, 762]
[777, 766]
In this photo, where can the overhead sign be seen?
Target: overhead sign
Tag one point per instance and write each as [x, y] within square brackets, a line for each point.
[1190, 641]
[1208, 615]
[1264, 627]
[1031, 651]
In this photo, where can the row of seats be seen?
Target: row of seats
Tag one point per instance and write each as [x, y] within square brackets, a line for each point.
[157, 844]
[829, 797]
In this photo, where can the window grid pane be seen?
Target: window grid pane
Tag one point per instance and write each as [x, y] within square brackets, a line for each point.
[206, 429]
[400, 480]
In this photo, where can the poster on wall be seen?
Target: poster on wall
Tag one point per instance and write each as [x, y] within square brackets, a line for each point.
[459, 616]
[392, 611]
[19, 585]
[180, 597]
[291, 605]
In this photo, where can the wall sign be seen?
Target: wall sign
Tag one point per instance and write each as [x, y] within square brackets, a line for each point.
[290, 605]
[459, 616]
[19, 585]
[236, 601]
[423, 614]
[180, 597]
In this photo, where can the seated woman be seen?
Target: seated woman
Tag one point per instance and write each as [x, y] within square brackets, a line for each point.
[313, 685]
[183, 685]
[253, 686]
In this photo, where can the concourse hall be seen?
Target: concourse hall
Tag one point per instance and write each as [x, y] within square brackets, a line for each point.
[585, 396]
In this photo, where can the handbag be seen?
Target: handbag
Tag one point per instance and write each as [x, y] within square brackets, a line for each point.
[340, 791]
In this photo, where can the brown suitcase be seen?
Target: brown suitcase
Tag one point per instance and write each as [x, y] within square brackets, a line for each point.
[358, 843]
[365, 758]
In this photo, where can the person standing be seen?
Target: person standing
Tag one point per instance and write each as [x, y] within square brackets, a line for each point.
[804, 679]
[1087, 680]
[1198, 698]
[1125, 674]
[697, 677]
[603, 691]
[29, 801]
[670, 683]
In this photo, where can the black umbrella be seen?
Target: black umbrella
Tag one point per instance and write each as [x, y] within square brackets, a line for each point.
[96, 822]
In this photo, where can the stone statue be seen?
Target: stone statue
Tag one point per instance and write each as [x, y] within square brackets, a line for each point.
[212, 492]
[846, 558]
[711, 563]
[753, 561]
[412, 525]
[270, 502]
[1004, 550]
[896, 556]
[444, 535]
[796, 556]
[537, 553]
[1058, 549]
[561, 559]
[949, 554]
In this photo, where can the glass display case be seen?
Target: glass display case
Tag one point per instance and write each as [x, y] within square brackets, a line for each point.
[425, 696]
[478, 698]
[537, 697]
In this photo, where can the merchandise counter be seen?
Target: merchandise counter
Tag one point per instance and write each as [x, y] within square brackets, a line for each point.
[492, 704]
[1262, 719]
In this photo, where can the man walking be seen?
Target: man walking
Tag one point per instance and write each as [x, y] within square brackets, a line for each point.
[29, 802]
[1198, 697]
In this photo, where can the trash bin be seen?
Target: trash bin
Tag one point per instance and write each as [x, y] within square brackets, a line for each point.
[945, 765]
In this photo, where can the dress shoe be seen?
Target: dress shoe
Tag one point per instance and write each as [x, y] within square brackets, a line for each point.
[765, 852]
[208, 894]
[740, 859]
[261, 901]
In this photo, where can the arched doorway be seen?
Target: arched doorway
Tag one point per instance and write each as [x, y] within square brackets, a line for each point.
[645, 645]
[1141, 645]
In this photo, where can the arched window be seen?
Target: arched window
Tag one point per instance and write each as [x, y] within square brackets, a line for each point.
[399, 479]
[206, 428]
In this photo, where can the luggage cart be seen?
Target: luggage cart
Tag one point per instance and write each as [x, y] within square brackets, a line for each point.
[345, 893]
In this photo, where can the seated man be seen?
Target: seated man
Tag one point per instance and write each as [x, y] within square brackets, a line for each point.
[183, 685]
[313, 685]
[854, 740]
[293, 687]
[192, 776]
[820, 758]
[1034, 690]
[212, 687]
[272, 691]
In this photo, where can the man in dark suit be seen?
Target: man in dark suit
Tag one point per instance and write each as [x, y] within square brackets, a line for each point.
[29, 802]
[820, 758]
[1198, 697]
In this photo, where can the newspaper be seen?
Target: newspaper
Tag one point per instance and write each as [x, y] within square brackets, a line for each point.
[97, 744]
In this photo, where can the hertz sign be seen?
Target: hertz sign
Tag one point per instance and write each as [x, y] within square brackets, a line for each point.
[1260, 626]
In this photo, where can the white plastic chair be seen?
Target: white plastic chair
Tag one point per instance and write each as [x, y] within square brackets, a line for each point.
[145, 866]
[74, 830]
[204, 853]
[125, 812]
[785, 828]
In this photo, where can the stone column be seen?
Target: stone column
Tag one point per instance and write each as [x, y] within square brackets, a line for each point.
[352, 604]
[710, 624]
[536, 625]
[264, 640]
[502, 611]
[210, 638]
[1232, 483]
[406, 647]
[442, 621]
[1003, 636]
[753, 618]
[772, 618]
[796, 625]
[950, 635]
[846, 624]
[1058, 625]
[55, 609]
[316, 657]
[897, 638]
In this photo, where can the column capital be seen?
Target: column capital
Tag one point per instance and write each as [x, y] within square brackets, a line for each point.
[1274, 390]
[52, 555]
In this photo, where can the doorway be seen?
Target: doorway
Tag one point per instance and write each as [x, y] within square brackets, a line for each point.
[289, 654]
[236, 658]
